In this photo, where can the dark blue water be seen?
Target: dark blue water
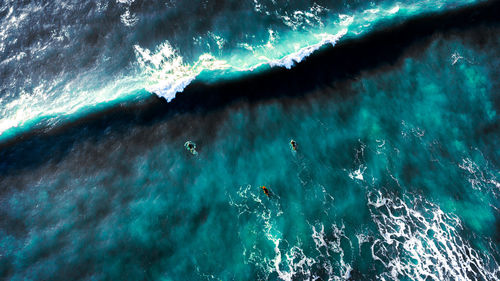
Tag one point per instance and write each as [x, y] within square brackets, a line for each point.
[394, 173]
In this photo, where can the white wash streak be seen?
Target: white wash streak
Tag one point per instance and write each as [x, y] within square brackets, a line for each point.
[407, 250]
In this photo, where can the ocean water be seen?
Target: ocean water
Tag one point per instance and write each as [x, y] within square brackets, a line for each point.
[395, 175]
[60, 60]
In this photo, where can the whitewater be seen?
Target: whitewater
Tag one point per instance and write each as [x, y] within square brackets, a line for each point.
[249, 140]
[76, 68]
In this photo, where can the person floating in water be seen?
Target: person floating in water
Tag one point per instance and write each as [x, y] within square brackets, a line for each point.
[191, 147]
[293, 145]
[266, 191]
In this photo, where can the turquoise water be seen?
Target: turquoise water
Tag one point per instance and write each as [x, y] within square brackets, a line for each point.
[61, 62]
[395, 178]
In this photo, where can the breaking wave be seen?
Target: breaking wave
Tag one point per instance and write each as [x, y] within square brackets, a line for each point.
[73, 70]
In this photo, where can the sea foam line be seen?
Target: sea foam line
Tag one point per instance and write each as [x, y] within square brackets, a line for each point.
[169, 74]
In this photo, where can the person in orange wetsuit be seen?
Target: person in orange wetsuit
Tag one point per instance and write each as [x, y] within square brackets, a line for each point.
[266, 191]
[293, 145]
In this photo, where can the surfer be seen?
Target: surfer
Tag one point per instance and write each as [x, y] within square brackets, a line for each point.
[191, 147]
[293, 145]
[266, 191]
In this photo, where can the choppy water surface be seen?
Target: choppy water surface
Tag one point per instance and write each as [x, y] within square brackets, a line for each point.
[60, 60]
[395, 175]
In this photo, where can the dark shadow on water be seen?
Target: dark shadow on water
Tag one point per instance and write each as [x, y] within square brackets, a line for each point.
[344, 62]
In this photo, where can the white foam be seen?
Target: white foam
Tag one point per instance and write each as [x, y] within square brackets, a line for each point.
[455, 57]
[128, 19]
[290, 60]
[298, 19]
[358, 174]
[480, 178]
[394, 10]
[346, 20]
[297, 263]
[294, 19]
[167, 72]
[169, 75]
[290, 261]
[421, 242]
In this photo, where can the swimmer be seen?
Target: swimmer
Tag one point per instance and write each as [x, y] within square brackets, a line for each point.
[293, 145]
[266, 191]
[191, 147]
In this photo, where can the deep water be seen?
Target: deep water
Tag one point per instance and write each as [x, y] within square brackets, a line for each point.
[395, 177]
